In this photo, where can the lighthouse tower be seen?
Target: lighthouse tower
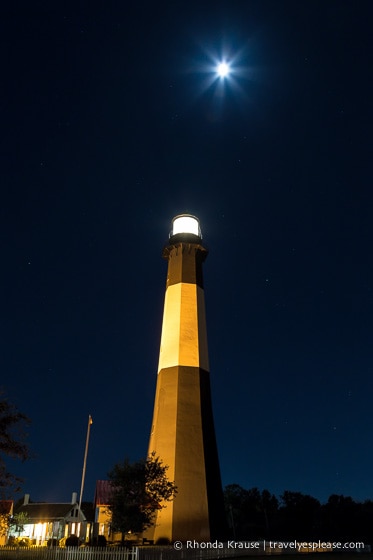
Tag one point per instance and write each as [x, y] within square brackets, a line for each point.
[183, 433]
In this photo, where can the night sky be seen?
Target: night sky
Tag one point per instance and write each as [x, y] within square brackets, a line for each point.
[113, 122]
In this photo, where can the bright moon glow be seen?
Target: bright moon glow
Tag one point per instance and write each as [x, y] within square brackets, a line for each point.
[223, 69]
[186, 224]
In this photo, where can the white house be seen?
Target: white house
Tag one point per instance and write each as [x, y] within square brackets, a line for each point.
[45, 521]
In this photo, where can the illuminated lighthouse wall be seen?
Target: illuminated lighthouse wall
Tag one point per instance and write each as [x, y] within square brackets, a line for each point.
[183, 433]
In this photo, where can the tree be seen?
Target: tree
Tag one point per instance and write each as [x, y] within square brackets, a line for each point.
[18, 522]
[299, 516]
[5, 516]
[269, 506]
[340, 515]
[12, 444]
[138, 491]
[250, 512]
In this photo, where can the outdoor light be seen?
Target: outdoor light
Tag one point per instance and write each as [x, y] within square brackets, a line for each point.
[185, 223]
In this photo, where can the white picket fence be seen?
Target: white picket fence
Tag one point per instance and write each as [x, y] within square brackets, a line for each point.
[185, 553]
[113, 553]
[69, 553]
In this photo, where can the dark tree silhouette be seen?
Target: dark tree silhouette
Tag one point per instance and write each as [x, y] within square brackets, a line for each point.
[343, 518]
[250, 513]
[300, 515]
[253, 514]
[364, 522]
[12, 444]
[269, 506]
[138, 491]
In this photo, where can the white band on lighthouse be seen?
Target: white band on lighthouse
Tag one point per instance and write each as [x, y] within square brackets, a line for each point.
[186, 224]
[184, 339]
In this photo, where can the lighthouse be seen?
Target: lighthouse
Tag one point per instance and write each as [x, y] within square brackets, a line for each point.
[183, 433]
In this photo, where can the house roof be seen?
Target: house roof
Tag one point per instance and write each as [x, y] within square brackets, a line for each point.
[102, 493]
[46, 511]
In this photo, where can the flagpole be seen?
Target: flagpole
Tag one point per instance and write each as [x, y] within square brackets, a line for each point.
[90, 422]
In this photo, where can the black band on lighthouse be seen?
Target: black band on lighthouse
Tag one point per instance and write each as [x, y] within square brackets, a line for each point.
[185, 263]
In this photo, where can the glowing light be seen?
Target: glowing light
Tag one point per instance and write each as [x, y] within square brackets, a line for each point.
[225, 72]
[223, 69]
[186, 223]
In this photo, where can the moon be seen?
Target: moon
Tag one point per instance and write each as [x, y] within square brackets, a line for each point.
[223, 69]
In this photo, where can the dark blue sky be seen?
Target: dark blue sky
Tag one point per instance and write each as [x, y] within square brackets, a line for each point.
[109, 130]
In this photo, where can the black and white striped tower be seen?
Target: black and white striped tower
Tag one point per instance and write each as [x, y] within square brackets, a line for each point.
[183, 433]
